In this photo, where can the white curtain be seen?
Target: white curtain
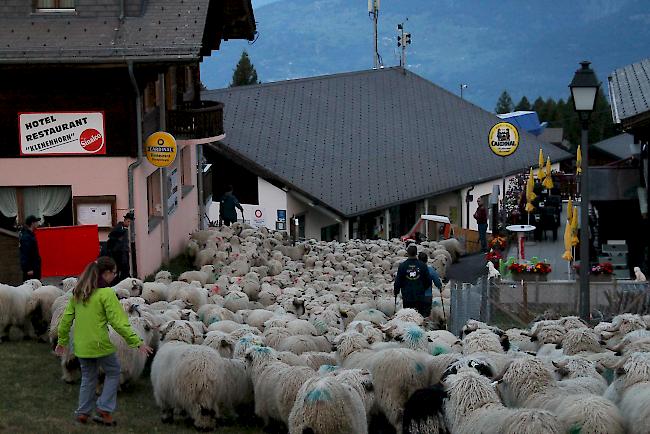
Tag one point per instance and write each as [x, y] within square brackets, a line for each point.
[45, 201]
[8, 203]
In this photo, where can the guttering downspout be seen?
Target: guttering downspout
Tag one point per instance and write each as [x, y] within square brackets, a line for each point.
[122, 8]
[467, 202]
[135, 164]
[164, 172]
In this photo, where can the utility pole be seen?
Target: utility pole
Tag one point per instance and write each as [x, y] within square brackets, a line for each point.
[403, 39]
[373, 11]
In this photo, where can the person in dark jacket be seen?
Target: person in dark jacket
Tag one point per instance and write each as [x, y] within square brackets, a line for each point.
[427, 299]
[481, 217]
[228, 207]
[412, 280]
[30, 259]
[117, 246]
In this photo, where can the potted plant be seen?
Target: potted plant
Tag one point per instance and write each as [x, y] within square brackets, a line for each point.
[602, 272]
[498, 243]
[529, 271]
[494, 256]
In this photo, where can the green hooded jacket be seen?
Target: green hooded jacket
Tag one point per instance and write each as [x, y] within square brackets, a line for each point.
[91, 320]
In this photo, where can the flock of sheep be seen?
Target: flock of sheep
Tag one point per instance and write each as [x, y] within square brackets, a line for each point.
[311, 339]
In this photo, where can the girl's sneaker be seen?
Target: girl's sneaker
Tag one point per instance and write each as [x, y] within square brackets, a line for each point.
[82, 418]
[104, 418]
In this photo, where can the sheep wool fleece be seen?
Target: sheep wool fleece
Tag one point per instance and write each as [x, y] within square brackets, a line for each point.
[92, 318]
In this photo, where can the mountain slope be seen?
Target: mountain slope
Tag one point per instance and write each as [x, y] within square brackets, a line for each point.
[530, 47]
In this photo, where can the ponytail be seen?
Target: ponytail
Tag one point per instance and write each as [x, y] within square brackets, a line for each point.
[89, 279]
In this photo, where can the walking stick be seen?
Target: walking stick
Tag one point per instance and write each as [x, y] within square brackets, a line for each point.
[395, 310]
[444, 316]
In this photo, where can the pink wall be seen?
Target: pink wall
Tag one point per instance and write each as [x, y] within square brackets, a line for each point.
[88, 176]
[95, 176]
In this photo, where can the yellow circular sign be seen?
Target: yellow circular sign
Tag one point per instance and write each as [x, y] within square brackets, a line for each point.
[160, 149]
[503, 139]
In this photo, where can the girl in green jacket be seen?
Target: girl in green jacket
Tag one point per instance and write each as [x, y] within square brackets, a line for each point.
[93, 307]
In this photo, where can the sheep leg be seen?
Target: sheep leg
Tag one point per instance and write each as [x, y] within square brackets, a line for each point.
[202, 417]
[68, 367]
[167, 415]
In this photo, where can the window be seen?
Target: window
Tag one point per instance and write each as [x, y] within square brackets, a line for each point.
[187, 178]
[52, 203]
[54, 5]
[154, 202]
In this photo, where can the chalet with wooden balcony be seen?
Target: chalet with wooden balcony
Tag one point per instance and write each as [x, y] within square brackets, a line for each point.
[83, 83]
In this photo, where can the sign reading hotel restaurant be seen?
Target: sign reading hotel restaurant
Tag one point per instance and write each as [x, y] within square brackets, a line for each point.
[62, 133]
[503, 139]
[160, 149]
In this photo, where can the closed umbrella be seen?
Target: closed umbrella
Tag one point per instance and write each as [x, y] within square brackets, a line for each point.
[579, 161]
[574, 228]
[567, 256]
[548, 181]
[530, 194]
[540, 170]
[569, 211]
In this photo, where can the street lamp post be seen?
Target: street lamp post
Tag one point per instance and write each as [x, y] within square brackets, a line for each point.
[584, 89]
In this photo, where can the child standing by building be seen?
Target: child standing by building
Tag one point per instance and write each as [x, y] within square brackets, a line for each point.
[93, 307]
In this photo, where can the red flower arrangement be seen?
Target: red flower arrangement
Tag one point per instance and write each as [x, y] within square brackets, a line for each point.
[538, 268]
[493, 256]
[604, 268]
[498, 243]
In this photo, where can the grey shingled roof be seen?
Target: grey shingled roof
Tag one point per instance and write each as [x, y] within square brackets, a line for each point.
[363, 141]
[166, 29]
[629, 90]
[618, 146]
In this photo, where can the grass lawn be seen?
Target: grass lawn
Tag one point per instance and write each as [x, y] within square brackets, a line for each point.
[34, 399]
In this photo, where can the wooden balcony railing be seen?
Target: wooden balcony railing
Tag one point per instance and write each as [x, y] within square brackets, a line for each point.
[196, 120]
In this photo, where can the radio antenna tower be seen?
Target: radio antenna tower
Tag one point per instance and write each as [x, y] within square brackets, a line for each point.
[403, 39]
[373, 11]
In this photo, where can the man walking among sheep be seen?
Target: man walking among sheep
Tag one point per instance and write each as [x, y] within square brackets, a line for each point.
[228, 207]
[412, 280]
[118, 246]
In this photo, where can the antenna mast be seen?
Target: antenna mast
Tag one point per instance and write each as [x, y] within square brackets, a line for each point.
[373, 11]
[403, 39]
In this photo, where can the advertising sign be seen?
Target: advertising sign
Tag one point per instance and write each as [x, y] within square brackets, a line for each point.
[282, 215]
[503, 139]
[160, 149]
[62, 133]
[172, 186]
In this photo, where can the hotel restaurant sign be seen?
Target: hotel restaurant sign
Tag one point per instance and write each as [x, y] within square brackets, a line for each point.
[62, 133]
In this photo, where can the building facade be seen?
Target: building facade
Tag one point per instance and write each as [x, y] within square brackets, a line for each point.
[83, 83]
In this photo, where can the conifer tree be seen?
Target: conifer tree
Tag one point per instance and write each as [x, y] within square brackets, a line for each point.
[523, 104]
[245, 73]
[504, 104]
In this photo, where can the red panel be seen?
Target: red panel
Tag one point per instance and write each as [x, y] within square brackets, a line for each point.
[66, 250]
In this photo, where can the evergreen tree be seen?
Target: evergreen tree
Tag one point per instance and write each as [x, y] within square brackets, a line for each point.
[504, 104]
[245, 73]
[538, 106]
[523, 104]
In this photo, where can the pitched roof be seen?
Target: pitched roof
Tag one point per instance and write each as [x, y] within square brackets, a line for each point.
[170, 29]
[629, 90]
[363, 141]
[618, 146]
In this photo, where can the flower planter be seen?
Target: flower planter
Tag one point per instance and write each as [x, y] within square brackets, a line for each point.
[529, 277]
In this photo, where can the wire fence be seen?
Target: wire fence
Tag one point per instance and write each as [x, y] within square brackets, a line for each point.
[516, 304]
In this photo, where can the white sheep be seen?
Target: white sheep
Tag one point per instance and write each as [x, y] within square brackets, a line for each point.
[196, 379]
[129, 287]
[631, 390]
[330, 405]
[473, 404]
[13, 304]
[38, 309]
[207, 274]
[529, 383]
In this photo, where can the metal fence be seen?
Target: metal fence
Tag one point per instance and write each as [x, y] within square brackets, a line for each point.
[516, 304]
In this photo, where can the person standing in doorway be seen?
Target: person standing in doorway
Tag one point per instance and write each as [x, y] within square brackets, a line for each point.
[30, 258]
[412, 280]
[118, 246]
[228, 207]
[481, 217]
